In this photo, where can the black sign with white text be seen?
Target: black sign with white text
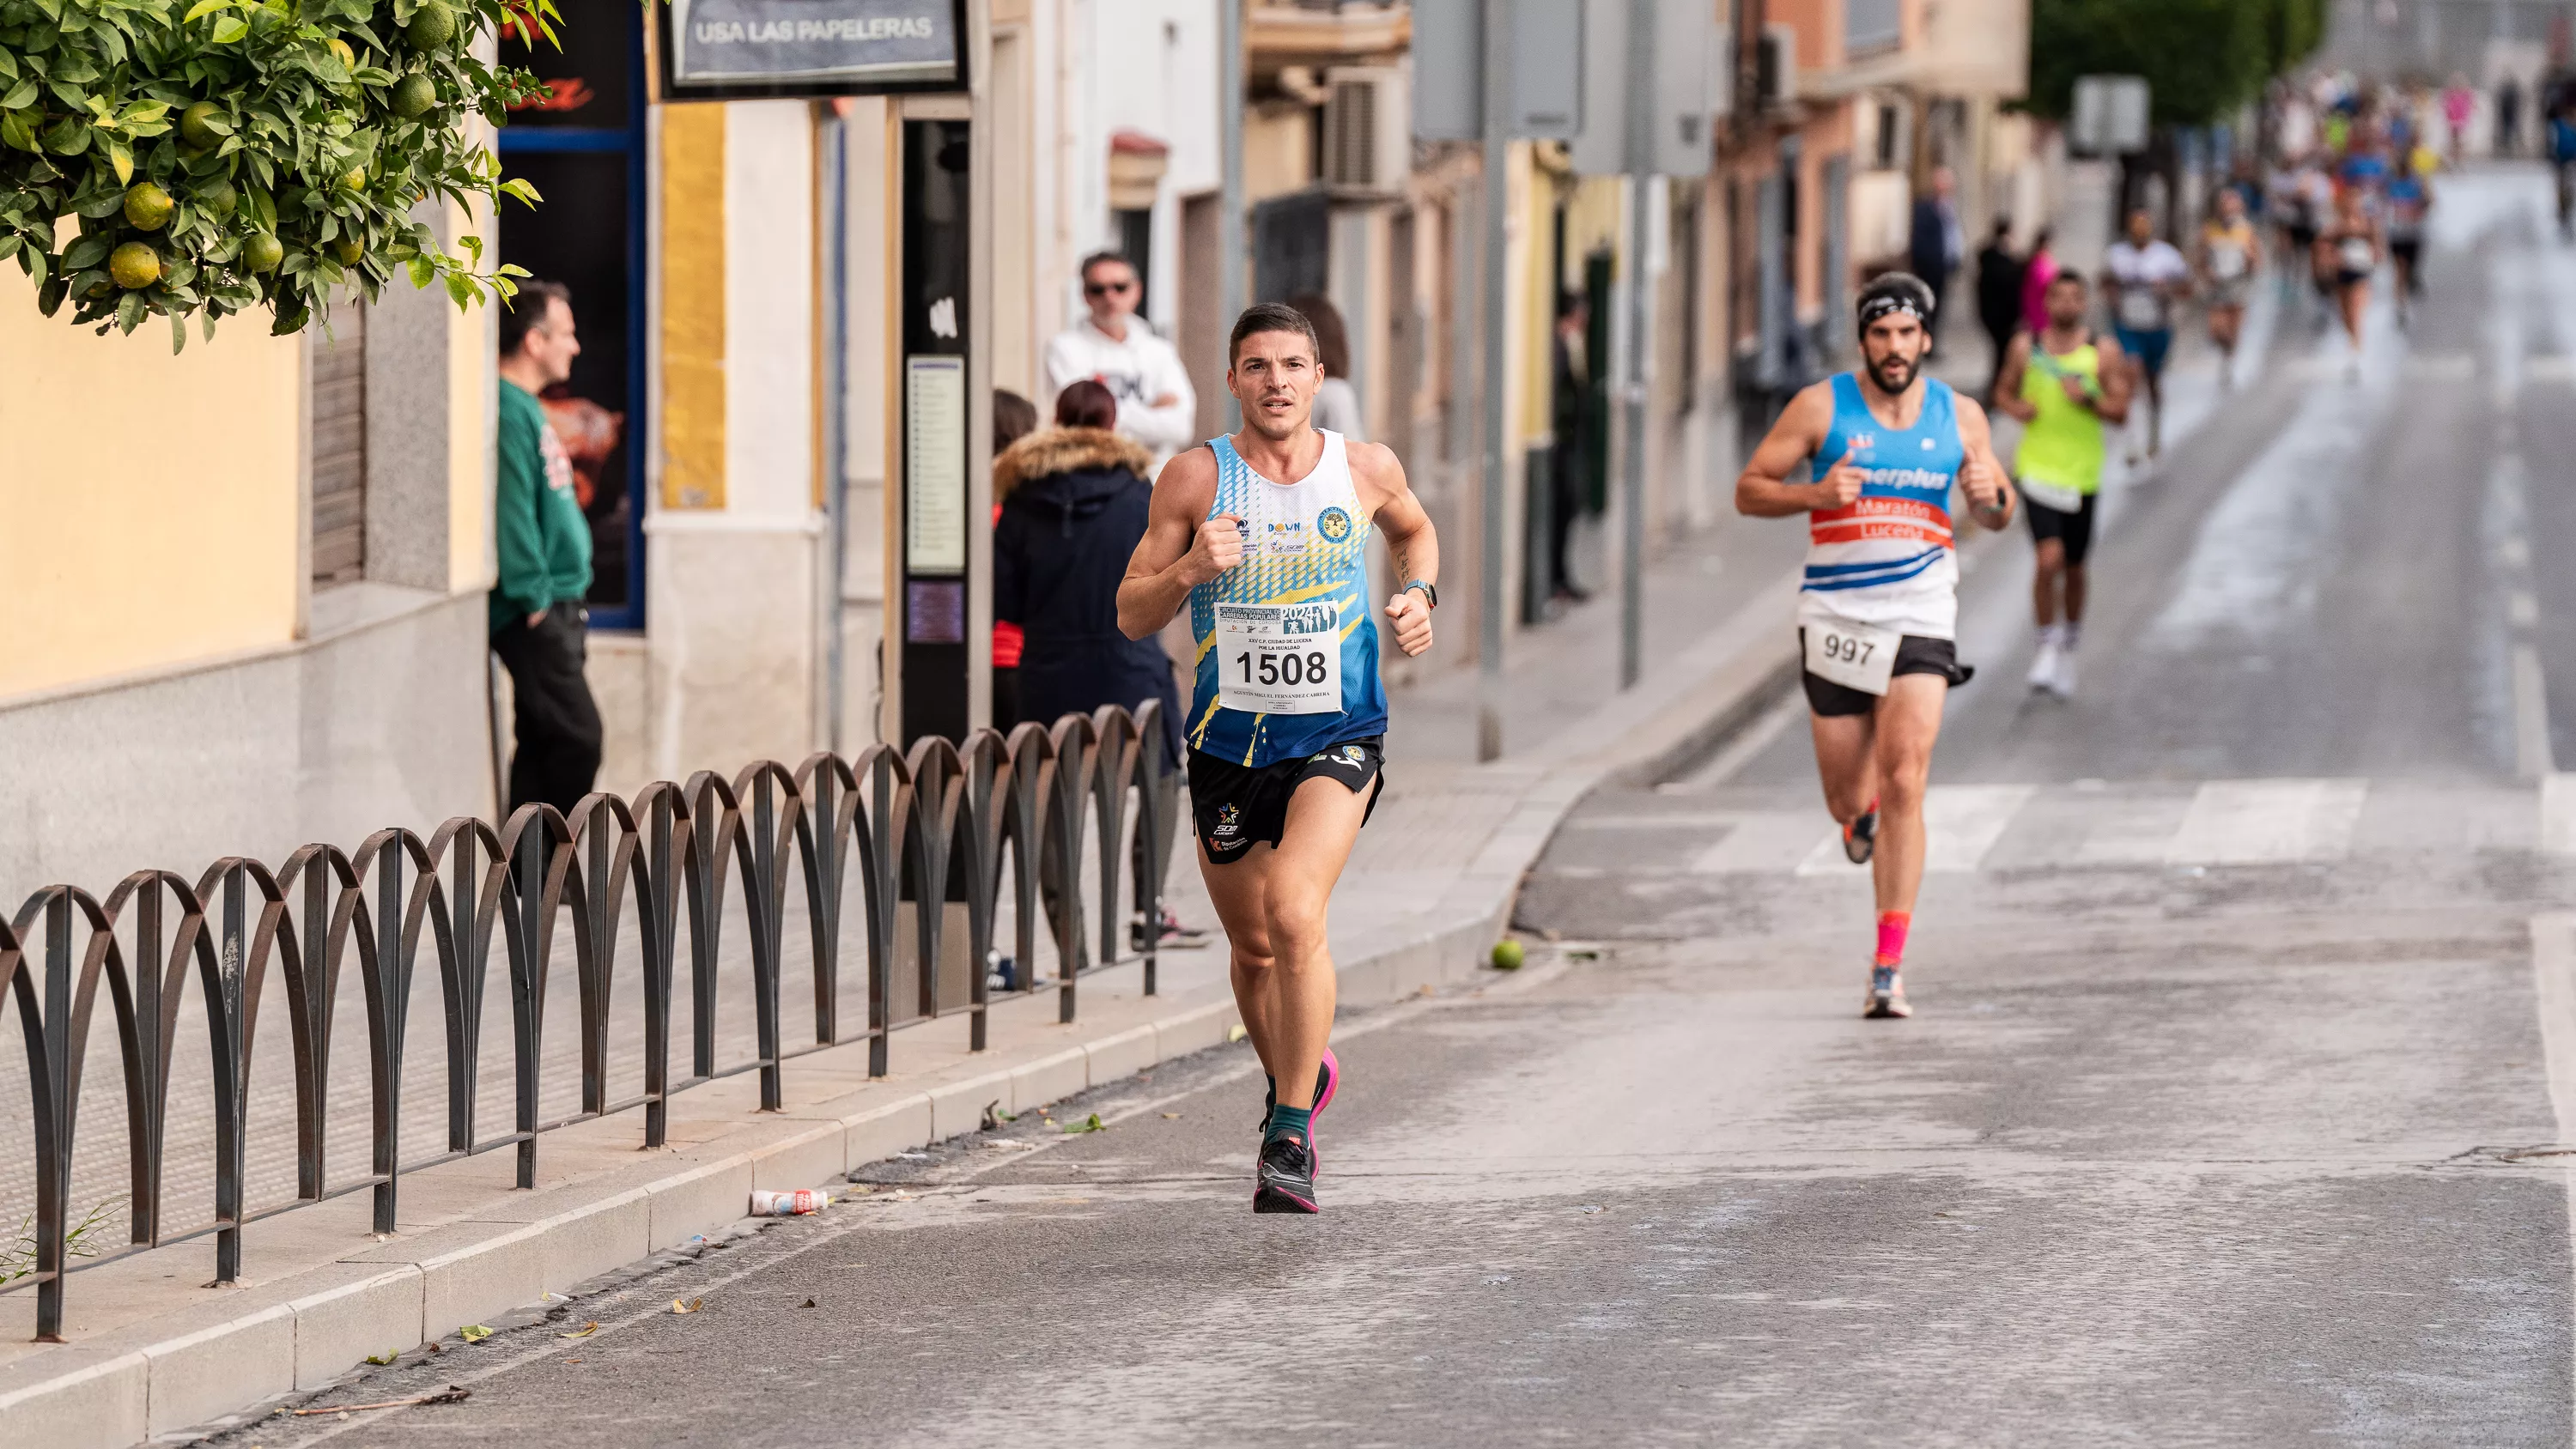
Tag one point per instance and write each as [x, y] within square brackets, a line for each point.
[716, 48]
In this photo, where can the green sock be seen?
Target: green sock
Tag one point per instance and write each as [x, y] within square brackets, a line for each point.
[1287, 1121]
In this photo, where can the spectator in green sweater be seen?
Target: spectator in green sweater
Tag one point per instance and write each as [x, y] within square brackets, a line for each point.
[539, 627]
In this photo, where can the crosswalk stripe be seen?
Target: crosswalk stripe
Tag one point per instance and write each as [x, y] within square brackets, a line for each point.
[1960, 824]
[2223, 822]
[2253, 822]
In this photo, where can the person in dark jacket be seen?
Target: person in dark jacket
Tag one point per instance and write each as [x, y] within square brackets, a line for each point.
[1935, 244]
[1014, 418]
[1999, 278]
[1074, 499]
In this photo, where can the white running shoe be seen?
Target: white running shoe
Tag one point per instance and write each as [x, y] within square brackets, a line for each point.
[2063, 683]
[2043, 665]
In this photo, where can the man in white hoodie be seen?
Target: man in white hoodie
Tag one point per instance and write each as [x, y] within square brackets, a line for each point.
[1117, 350]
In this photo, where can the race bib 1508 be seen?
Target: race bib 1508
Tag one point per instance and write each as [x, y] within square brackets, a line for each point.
[1280, 658]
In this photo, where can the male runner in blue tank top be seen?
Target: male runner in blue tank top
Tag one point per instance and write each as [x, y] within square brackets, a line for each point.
[1878, 613]
[1264, 535]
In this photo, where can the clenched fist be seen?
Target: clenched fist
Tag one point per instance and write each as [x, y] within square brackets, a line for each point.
[1218, 547]
[1985, 491]
[1409, 614]
[1841, 486]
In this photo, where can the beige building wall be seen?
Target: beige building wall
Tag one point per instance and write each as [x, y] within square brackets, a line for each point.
[148, 503]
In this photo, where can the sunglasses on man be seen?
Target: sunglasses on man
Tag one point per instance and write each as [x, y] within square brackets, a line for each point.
[1106, 289]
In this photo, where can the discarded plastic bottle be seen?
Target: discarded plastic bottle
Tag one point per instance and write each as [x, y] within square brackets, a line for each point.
[789, 1204]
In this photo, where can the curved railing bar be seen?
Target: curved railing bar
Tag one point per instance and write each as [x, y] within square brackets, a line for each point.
[926, 820]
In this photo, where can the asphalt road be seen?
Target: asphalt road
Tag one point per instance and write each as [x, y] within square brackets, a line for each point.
[2226, 1119]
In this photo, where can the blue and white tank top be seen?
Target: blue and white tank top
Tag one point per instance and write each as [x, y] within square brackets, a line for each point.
[1887, 559]
[1274, 629]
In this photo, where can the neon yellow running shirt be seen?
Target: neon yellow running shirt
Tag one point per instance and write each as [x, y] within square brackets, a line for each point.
[2062, 447]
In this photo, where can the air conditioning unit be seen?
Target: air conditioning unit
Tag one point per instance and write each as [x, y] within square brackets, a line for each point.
[1776, 70]
[1368, 142]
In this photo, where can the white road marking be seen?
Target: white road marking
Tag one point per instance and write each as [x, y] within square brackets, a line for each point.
[2553, 979]
[1764, 841]
[2532, 758]
[2256, 822]
[2558, 814]
[1960, 824]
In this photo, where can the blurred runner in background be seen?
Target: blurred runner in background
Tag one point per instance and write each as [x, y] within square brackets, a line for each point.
[2231, 253]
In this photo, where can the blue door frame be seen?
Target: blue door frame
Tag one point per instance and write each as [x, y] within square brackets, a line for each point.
[629, 140]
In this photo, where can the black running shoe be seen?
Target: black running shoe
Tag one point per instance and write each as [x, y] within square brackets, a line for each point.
[1285, 1182]
[1860, 838]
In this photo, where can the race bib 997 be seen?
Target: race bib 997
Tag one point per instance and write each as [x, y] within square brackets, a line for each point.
[1854, 656]
[1280, 658]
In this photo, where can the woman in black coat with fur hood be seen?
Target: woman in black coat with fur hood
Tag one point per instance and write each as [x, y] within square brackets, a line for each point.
[1074, 499]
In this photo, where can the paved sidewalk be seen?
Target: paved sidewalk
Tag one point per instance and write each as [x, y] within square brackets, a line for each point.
[152, 1352]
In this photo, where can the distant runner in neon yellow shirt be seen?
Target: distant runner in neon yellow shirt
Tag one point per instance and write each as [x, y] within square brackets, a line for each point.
[2063, 385]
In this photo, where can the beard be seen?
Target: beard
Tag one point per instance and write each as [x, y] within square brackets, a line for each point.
[1895, 374]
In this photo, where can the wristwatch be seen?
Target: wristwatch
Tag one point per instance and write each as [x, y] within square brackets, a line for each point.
[1429, 593]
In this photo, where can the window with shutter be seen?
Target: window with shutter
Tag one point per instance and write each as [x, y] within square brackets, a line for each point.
[340, 446]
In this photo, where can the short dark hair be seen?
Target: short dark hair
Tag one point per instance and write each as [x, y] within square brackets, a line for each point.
[528, 311]
[1268, 317]
[1083, 272]
[1332, 337]
[2072, 277]
[1892, 291]
[1086, 404]
[1014, 417]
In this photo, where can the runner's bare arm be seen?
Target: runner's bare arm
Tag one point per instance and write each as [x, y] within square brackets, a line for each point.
[2008, 396]
[1412, 546]
[1182, 547]
[2119, 384]
[1763, 489]
[1981, 474]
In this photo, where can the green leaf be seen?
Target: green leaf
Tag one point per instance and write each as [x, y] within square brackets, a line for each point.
[230, 29]
[121, 158]
[89, 251]
[34, 261]
[17, 131]
[423, 271]
[178, 333]
[462, 288]
[206, 324]
[519, 187]
[202, 9]
[129, 312]
[20, 95]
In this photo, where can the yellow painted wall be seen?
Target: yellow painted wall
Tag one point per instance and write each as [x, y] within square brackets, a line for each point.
[148, 503]
[693, 304]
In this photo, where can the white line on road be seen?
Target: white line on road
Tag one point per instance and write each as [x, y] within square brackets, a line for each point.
[2531, 753]
[2553, 977]
[2255, 822]
[1960, 824]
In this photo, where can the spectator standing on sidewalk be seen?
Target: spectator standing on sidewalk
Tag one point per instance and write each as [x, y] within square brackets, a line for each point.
[1337, 403]
[1570, 372]
[539, 627]
[1115, 348]
[1014, 418]
[1074, 500]
[1999, 275]
[1936, 243]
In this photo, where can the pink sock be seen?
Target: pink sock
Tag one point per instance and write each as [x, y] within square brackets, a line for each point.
[1892, 926]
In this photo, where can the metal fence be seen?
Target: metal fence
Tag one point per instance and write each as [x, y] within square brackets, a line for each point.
[930, 827]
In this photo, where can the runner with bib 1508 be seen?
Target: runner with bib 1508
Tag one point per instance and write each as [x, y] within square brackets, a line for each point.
[1264, 535]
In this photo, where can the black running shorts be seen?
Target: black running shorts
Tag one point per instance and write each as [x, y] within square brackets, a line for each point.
[2072, 530]
[1240, 806]
[1915, 654]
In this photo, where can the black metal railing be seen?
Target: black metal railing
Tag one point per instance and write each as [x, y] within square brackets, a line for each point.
[929, 827]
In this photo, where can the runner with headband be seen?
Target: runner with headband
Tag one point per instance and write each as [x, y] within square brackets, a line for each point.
[1884, 445]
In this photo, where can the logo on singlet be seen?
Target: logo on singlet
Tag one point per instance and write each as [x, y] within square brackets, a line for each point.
[1334, 524]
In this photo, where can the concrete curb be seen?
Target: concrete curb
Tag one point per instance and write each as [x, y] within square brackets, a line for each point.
[303, 1331]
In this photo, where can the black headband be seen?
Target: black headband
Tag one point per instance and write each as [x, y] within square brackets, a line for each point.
[1886, 302]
